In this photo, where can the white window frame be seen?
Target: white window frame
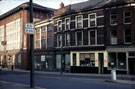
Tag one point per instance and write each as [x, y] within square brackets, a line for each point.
[95, 37]
[124, 38]
[65, 39]
[58, 45]
[92, 20]
[76, 38]
[111, 14]
[59, 26]
[67, 23]
[127, 17]
[81, 21]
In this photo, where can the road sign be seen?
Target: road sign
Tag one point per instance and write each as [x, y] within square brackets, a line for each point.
[29, 28]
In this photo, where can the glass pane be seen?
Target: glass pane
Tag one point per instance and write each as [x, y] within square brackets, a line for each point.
[122, 60]
[127, 14]
[127, 20]
[92, 16]
[92, 24]
[112, 60]
[79, 38]
[92, 37]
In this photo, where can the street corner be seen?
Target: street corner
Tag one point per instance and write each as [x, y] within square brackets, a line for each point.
[121, 81]
[11, 85]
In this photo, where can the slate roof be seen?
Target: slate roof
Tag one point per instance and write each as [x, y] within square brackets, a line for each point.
[91, 4]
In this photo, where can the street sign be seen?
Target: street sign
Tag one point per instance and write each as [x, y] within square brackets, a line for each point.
[29, 28]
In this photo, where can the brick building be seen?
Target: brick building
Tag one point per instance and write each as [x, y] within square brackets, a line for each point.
[14, 44]
[96, 36]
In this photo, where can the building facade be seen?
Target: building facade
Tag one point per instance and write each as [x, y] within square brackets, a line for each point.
[44, 47]
[14, 43]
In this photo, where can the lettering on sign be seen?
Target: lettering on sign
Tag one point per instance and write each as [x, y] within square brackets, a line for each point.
[29, 28]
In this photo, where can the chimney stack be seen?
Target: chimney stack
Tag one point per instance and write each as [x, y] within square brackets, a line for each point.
[61, 5]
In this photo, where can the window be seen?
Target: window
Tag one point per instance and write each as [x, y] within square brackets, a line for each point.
[50, 27]
[113, 36]
[79, 38]
[113, 19]
[37, 43]
[43, 43]
[60, 25]
[43, 29]
[79, 22]
[67, 39]
[37, 30]
[87, 59]
[41, 15]
[127, 17]
[92, 20]
[59, 40]
[92, 37]
[117, 60]
[127, 35]
[67, 24]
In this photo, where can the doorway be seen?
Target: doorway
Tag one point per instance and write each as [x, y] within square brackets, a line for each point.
[101, 63]
[131, 66]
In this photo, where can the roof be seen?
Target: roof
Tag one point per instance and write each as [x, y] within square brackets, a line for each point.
[91, 4]
[24, 6]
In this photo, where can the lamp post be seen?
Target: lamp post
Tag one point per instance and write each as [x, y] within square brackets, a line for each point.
[31, 47]
[62, 56]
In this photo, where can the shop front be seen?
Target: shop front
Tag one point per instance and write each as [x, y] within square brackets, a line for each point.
[88, 61]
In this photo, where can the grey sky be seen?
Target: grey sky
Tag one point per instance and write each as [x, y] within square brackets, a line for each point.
[6, 5]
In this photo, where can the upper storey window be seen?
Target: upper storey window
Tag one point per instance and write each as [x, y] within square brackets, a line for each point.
[79, 22]
[67, 23]
[37, 30]
[113, 18]
[59, 25]
[92, 20]
[127, 17]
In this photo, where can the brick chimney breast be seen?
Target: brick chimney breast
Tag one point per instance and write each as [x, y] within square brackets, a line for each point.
[61, 5]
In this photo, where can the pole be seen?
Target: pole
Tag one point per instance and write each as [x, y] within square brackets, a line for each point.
[31, 48]
[62, 57]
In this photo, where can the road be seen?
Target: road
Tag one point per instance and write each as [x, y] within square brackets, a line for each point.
[61, 82]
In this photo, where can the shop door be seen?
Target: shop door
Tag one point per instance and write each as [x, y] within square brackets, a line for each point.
[101, 63]
[131, 66]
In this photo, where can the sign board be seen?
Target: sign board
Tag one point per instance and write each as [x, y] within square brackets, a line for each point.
[42, 58]
[29, 28]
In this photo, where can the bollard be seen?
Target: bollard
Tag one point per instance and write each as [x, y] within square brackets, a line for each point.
[113, 74]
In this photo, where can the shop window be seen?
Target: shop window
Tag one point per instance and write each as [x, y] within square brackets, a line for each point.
[74, 59]
[113, 19]
[113, 36]
[43, 43]
[112, 60]
[43, 29]
[121, 60]
[67, 23]
[67, 39]
[79, 22]
[59, 40]
[127, 35]
[117, 60]
[92, 37]
[59, 25]
[87, 59]
[127, 17]
[67, 61]
[58, 61]
[79, 38]
[131, 54]
[92, 20]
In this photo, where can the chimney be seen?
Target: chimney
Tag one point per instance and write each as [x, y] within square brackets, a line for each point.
[61, 5]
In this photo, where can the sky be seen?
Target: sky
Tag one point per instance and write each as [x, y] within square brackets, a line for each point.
[6, 5]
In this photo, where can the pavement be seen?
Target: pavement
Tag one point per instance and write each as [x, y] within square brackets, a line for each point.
[11, 85]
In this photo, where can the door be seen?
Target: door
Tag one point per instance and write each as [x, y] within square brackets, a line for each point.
[101, 63]
[131, 66]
